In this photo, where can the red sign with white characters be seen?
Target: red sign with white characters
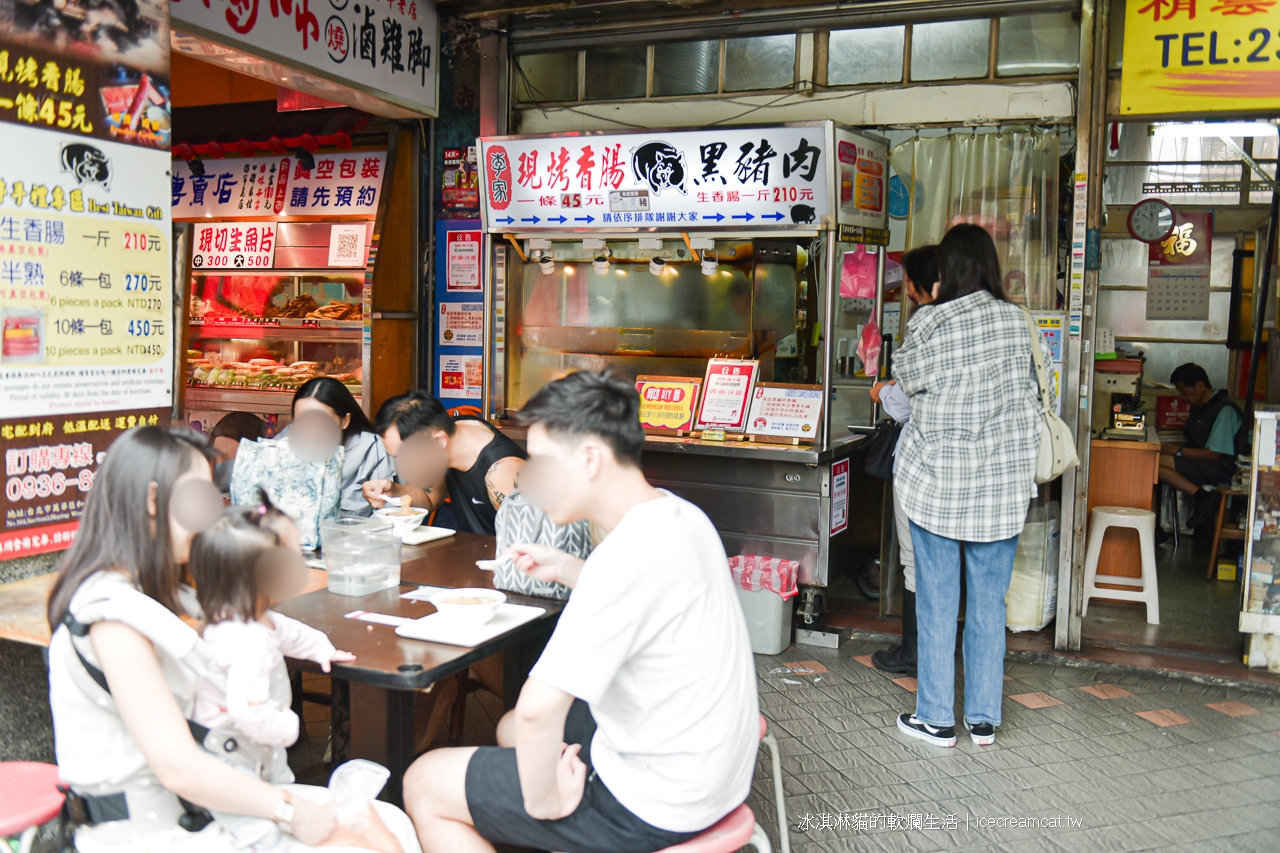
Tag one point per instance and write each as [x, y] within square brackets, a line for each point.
[497, 167]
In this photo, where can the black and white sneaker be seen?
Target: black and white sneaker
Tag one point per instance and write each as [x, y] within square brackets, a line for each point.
[982, 734]
[908, 724]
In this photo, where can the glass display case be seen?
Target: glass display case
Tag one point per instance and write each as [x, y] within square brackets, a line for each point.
[657, 310]
[1260, 596]
[857, 301]
[254, 337]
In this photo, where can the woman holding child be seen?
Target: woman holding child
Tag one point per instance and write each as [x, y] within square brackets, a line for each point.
[127, 663]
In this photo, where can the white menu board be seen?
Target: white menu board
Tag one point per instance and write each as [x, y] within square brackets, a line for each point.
[342, 184]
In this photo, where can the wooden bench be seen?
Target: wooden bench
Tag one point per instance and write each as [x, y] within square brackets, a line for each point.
[23, 603]
[22, 610]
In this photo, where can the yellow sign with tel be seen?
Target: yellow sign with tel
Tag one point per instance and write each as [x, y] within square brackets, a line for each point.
[1200, 56]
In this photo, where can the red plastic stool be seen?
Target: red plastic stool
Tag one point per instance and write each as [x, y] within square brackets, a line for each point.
[731, 833]
[29, 796]
[784, 837]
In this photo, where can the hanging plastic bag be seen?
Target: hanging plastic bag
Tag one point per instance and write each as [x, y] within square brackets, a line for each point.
[858, 274]
[355, 785]
[756, 572]
[869, 348]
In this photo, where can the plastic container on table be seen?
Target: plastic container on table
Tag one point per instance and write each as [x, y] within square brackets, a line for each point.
[361, 555]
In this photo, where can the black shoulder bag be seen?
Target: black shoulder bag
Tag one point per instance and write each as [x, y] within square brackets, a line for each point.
[880, 447]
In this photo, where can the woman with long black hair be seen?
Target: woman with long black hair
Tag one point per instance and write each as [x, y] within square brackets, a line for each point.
[124, 662]
[365, 457]
[965, 473]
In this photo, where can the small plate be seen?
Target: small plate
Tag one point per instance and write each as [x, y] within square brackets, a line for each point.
[424, 534]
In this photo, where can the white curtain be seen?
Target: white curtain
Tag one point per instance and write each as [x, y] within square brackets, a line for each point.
[1007, 182]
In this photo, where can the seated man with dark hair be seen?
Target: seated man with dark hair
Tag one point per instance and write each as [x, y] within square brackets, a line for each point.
[435, 454]
[1213, 430]
[225, 438]
[638, 726]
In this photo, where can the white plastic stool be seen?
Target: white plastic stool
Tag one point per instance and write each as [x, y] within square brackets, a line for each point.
[1141, 520]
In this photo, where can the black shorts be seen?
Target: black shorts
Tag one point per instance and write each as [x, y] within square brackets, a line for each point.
[600, 824]
[1206, 472]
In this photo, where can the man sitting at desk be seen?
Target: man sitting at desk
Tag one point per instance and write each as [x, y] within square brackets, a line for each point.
[1208, 459]
[638, 726]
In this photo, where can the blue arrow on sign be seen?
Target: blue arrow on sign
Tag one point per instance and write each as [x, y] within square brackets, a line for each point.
[587, 219]
[507, 219]
[747, 216]
[717, 217]
[562, 220]
[774, 216]
[532, 219]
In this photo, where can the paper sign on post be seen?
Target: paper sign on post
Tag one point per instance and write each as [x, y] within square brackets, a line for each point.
[461, 324]
[667, 403]
[463, 265]
[728, 387]
[785, 412]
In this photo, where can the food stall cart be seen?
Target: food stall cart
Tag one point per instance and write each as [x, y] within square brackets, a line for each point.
[744, 258]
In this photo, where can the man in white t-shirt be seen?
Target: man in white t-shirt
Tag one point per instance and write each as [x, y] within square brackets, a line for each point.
[638, 726]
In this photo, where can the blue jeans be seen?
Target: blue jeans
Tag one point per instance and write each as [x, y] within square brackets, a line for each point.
[990, 566]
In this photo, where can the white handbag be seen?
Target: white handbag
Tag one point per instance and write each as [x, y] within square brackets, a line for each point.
[1057, 444]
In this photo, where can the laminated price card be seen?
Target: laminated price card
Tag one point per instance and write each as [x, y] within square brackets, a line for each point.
[727, 394]
[667, 403]
[785, 413]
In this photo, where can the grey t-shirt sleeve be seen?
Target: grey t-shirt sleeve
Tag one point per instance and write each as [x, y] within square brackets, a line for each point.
[366, 459]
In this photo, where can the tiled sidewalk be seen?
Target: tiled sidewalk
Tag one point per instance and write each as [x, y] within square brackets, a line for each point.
[1124, 762]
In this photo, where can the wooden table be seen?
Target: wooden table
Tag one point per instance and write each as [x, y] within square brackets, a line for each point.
[1123, 473]
[389, 669]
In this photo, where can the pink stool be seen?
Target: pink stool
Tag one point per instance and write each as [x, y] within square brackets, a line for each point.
[734, 831]
[779, 797]
[29, 796]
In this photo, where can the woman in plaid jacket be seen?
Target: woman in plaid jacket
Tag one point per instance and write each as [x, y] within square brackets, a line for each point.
[965, 472]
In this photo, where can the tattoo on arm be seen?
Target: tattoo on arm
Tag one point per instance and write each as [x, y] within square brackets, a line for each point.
[496, 497]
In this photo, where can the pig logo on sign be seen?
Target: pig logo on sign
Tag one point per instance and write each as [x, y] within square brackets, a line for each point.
[87, 163]
[660, 166]
[802, 214]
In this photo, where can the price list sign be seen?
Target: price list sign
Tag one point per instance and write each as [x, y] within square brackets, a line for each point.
[85, 294]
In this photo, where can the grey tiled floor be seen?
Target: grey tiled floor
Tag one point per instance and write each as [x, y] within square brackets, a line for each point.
[1126, 784]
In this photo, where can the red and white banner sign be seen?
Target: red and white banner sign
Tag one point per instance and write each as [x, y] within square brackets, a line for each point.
[344, 184]
[463, 261]
[234, 245]
[727, 394]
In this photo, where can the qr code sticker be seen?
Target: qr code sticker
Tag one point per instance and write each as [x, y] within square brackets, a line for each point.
[348, 247]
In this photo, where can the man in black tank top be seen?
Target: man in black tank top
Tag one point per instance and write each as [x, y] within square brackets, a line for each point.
[436, 455]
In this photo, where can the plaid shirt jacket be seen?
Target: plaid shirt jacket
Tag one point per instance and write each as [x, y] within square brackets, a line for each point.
[966, 465]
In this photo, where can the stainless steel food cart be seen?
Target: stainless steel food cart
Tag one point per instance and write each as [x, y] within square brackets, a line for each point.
[652, 252]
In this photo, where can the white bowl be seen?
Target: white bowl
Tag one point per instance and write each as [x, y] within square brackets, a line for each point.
[468, 614]
[402, 524]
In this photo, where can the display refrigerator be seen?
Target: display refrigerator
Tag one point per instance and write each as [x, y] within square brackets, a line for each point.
[702, 264]
[254, 335]
[1260, 587]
